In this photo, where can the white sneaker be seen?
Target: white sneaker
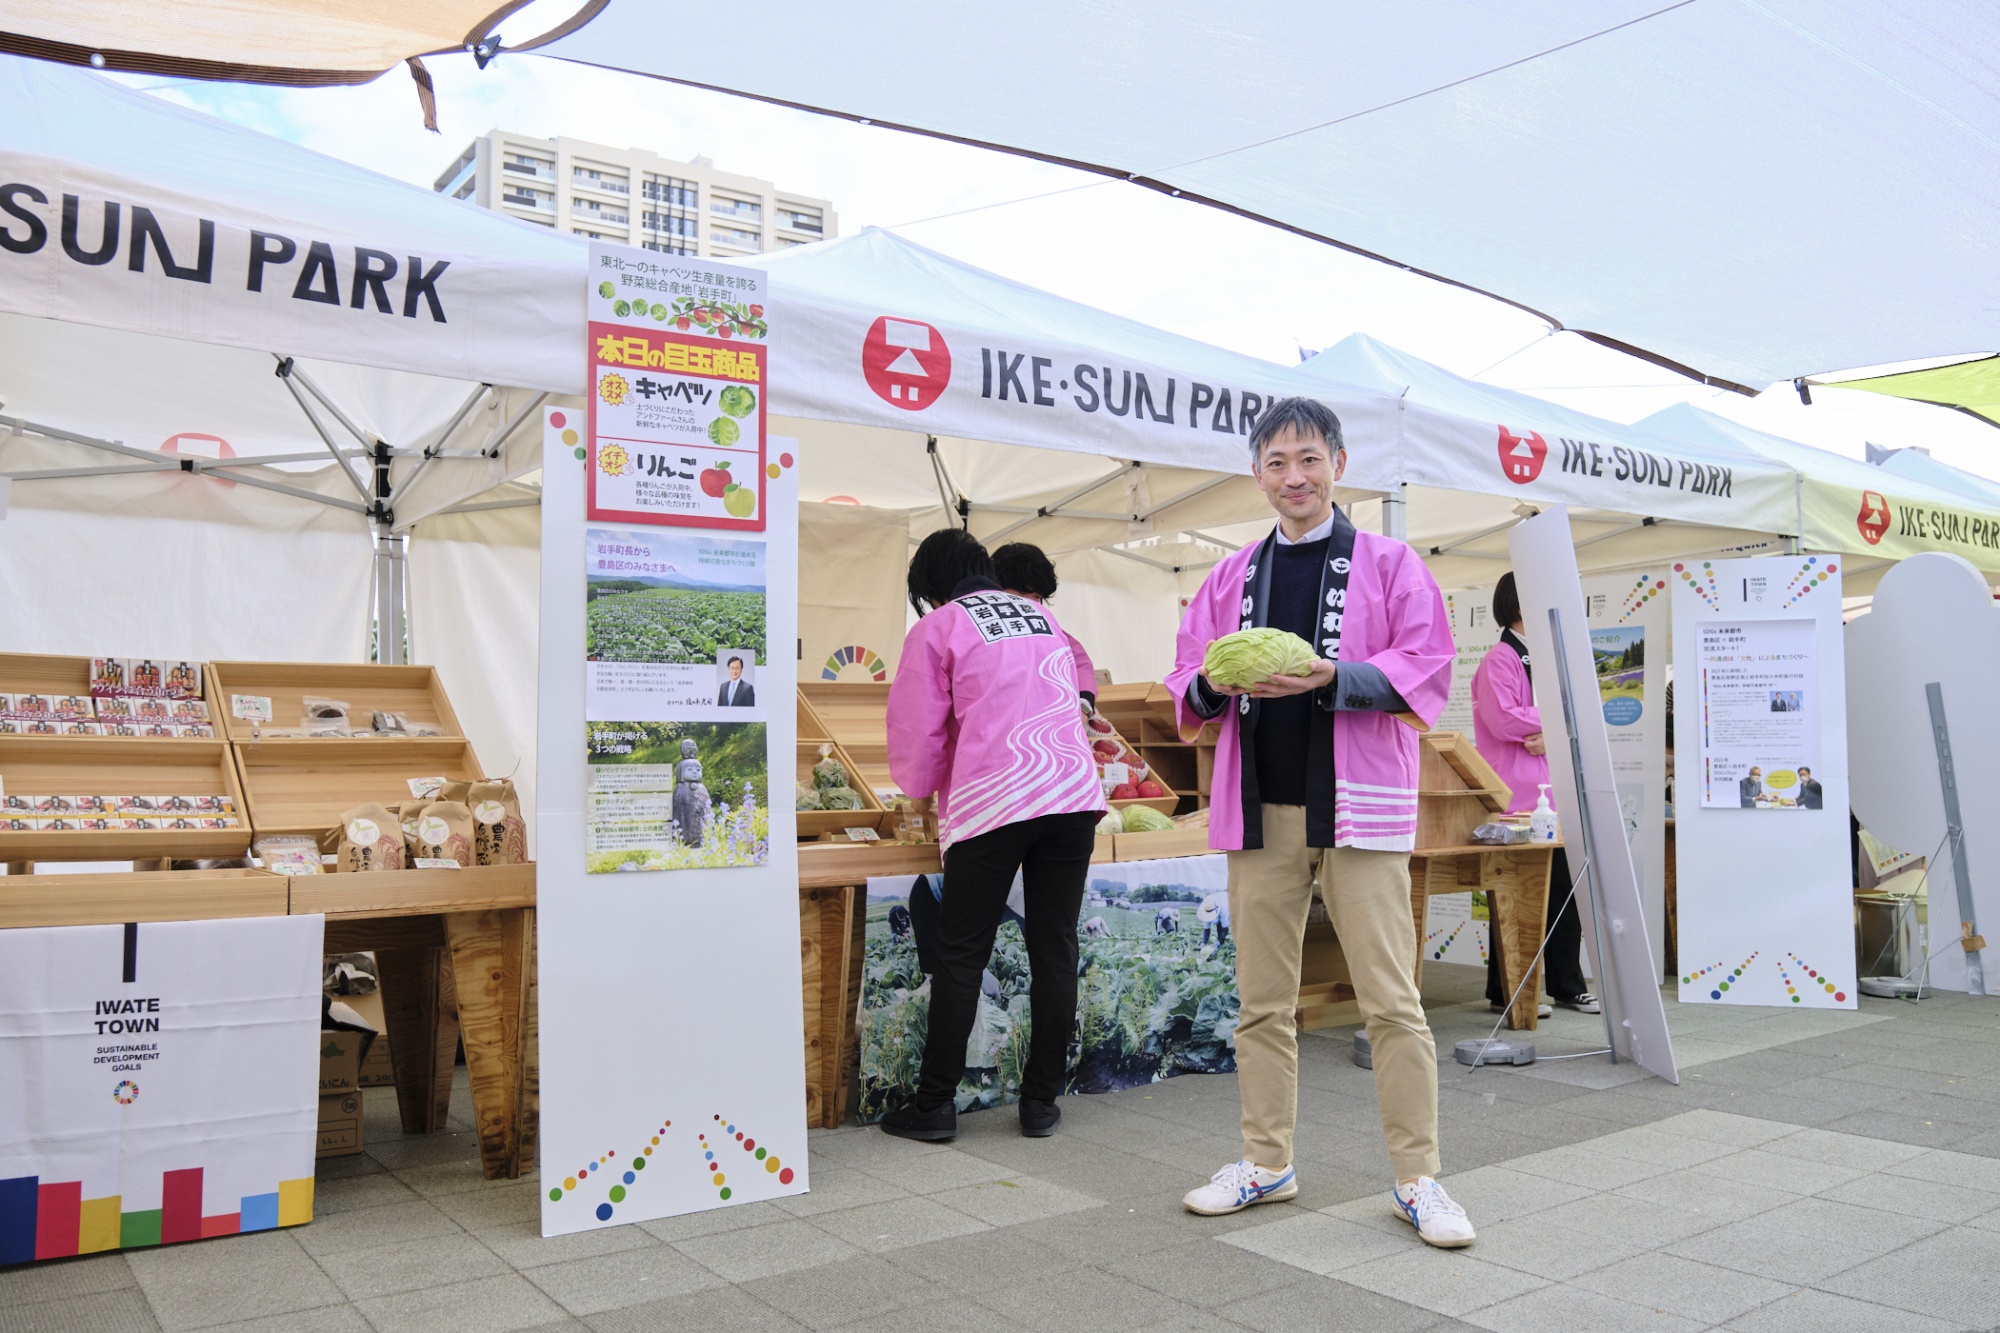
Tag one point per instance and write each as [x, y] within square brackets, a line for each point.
[1237, 1186]
[1430, 1210]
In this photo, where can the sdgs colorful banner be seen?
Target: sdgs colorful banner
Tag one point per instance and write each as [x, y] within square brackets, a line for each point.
[677, 390]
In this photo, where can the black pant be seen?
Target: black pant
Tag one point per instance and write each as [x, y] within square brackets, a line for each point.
[1052, 852]
[1562, 961]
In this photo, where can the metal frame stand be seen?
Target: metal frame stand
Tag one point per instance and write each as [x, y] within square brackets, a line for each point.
[1563, 687]
[1954, 832]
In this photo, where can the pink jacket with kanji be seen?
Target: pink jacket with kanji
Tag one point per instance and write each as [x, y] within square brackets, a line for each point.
[1086, 672]
[1394, 619]
[1503, 716]
[983, 713]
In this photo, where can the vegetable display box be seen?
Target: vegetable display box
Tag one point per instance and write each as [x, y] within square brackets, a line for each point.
[870, 813]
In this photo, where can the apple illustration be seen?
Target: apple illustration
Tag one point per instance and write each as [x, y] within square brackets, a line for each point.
[715, 480]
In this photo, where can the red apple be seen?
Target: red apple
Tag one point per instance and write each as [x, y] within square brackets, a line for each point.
[1107, 751]
[1150, 788]
[1100, 726]
[715, 480]
[1124, 791]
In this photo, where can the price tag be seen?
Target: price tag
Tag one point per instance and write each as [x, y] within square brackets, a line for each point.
[437, 863]
[1117, 774]
[250, 707]
[863, 835]
[422, 787]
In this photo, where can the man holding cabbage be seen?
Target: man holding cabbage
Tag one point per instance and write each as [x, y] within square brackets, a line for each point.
[1306, 647]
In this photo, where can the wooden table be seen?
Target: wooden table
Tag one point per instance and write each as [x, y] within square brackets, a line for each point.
[455, 949]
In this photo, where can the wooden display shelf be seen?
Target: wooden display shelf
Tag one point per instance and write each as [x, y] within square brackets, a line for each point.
[813, 733]
[178, 895]
[120, 766]
[413, 691]
[305, 784]
[1145, 710]
[412, 892]
[856, 716]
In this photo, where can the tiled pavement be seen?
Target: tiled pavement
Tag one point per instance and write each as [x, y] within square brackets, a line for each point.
[1813, 1173]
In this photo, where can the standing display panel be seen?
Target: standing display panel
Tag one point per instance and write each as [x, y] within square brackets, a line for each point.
[668, 900]
[1761, 783]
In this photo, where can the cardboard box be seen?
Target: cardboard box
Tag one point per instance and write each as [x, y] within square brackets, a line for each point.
[340, 1123]
[339, 1063]
[376, 1071]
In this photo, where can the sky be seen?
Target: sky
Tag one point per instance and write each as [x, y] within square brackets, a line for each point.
[1173, 264]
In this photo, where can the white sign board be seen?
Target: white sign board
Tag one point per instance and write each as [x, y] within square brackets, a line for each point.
[158, 1082]
[1933, 621]
[1545, 573]
[1761, 834]
[1629, 640]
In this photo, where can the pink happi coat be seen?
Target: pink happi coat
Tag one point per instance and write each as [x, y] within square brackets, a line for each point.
[1086, 671]
[1503, 716]
[985, 716]
[1394, 619]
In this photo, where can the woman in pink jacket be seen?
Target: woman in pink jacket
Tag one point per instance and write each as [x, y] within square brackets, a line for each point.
[1507, 728]
[1026, 571]
[983, 713]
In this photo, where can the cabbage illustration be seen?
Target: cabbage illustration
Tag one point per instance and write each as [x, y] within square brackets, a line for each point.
[1250, 657]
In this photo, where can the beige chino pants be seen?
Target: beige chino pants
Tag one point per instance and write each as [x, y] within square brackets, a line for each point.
[1368, 898]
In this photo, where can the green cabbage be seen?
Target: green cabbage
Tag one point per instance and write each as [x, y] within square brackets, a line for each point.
[808, 798]
[1249, 657]
[839, 798]
[1111, 823]
[1145, 819]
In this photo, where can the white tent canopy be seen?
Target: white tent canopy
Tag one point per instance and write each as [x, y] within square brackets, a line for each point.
[1852, 507]
[1755, 190]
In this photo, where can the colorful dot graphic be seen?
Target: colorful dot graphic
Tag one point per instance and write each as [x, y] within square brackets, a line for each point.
[1722, 982]
[1643, 591]
[1455, 930]
[1814, 977]
[597, 1166]
[1701, 582]
[1810, 575]
[726, 1135]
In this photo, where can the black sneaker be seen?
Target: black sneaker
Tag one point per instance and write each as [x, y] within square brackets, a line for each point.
[1038, 1118]
[907, 1122]
[1583, 1004]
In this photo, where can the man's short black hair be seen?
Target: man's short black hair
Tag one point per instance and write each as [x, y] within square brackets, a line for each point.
[943, 560]
[1506, 601]
[1304, 416]
[1023, 567]
[734, 661]
[1803, 770]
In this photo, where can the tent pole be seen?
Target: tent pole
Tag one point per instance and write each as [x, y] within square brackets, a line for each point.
[1396, 512]
[285, 373]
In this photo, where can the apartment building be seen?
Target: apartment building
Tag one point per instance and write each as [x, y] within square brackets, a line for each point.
[633, 197]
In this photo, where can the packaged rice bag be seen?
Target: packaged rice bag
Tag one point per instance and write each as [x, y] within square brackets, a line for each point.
[369, 841]
[444, 833]
[499, 835]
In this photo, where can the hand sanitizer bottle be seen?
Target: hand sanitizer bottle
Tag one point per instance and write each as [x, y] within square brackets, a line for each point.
[1542, 825]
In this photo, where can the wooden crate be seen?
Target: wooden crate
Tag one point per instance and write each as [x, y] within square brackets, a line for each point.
[413, 892]
[813, 733]
[1457, 791]
[108, 899]
[120, 766]
[304, 785]
[857, 716]
[413, 691]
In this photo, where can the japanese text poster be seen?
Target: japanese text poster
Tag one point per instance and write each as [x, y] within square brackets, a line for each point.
[1759, 714]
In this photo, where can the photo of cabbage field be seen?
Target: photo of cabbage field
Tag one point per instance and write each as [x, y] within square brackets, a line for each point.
[1153, 1001]
[641, 624]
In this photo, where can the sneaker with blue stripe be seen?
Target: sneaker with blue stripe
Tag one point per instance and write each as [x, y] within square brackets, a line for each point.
[1438, 1220]
[1238, 1185]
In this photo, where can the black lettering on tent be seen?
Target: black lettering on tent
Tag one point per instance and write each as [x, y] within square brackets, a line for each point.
[107, 248]
[1121, 408]
[1199, 396]
[319, 263]
[372, 268]
[1084, 375]
[38, 230]
[131, 951]
[1253, 407]
[986, 372]
[1143, 398]
[1221, 421]
[1010, 373]
[267, 247]
[419, 282]
[146, 227]
[1041, 382]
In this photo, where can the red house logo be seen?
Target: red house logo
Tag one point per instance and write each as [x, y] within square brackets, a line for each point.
[905, 362]
[1873, 520]
[1522, 456]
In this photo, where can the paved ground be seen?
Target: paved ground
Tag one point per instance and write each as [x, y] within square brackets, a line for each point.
[1813, 1173]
